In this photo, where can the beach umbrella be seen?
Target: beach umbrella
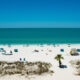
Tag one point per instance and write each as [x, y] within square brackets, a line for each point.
[1, 48]
[24, 59]
[62, 50]
[78, 50]
[20, 59]
[15, 50]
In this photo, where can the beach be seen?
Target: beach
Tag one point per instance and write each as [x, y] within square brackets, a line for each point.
[43, 53]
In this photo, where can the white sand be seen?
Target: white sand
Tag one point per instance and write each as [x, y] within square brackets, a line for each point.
[45, 55]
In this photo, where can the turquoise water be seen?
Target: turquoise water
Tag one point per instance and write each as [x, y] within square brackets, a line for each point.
[39, 35]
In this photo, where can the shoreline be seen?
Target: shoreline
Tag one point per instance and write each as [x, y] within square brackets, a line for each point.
[38, 43]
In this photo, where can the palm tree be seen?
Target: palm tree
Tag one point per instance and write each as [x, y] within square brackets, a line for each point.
[58, 58]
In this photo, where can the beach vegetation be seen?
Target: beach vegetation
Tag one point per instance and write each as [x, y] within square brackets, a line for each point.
[24, 68]
[58, 58]
[76, 65]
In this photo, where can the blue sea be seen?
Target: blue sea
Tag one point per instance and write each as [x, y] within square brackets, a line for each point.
[39, 35]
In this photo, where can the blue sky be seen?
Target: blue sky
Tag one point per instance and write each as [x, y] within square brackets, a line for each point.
[39, 13]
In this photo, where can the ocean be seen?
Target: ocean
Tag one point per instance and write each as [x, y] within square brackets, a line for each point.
[39, 35]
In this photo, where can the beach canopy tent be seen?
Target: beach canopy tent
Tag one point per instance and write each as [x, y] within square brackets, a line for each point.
[78, 50]
[73, 51]
[15, 50]
[62, 50]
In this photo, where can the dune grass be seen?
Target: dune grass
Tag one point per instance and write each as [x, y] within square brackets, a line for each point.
[24, 68]
[76, 65]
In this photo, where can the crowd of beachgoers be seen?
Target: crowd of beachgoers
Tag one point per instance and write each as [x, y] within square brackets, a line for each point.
[53, 62]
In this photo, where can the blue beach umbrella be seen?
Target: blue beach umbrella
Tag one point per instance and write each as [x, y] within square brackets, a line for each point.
[20, 59]
[24, 59]
[15, 50]
[62, 50]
